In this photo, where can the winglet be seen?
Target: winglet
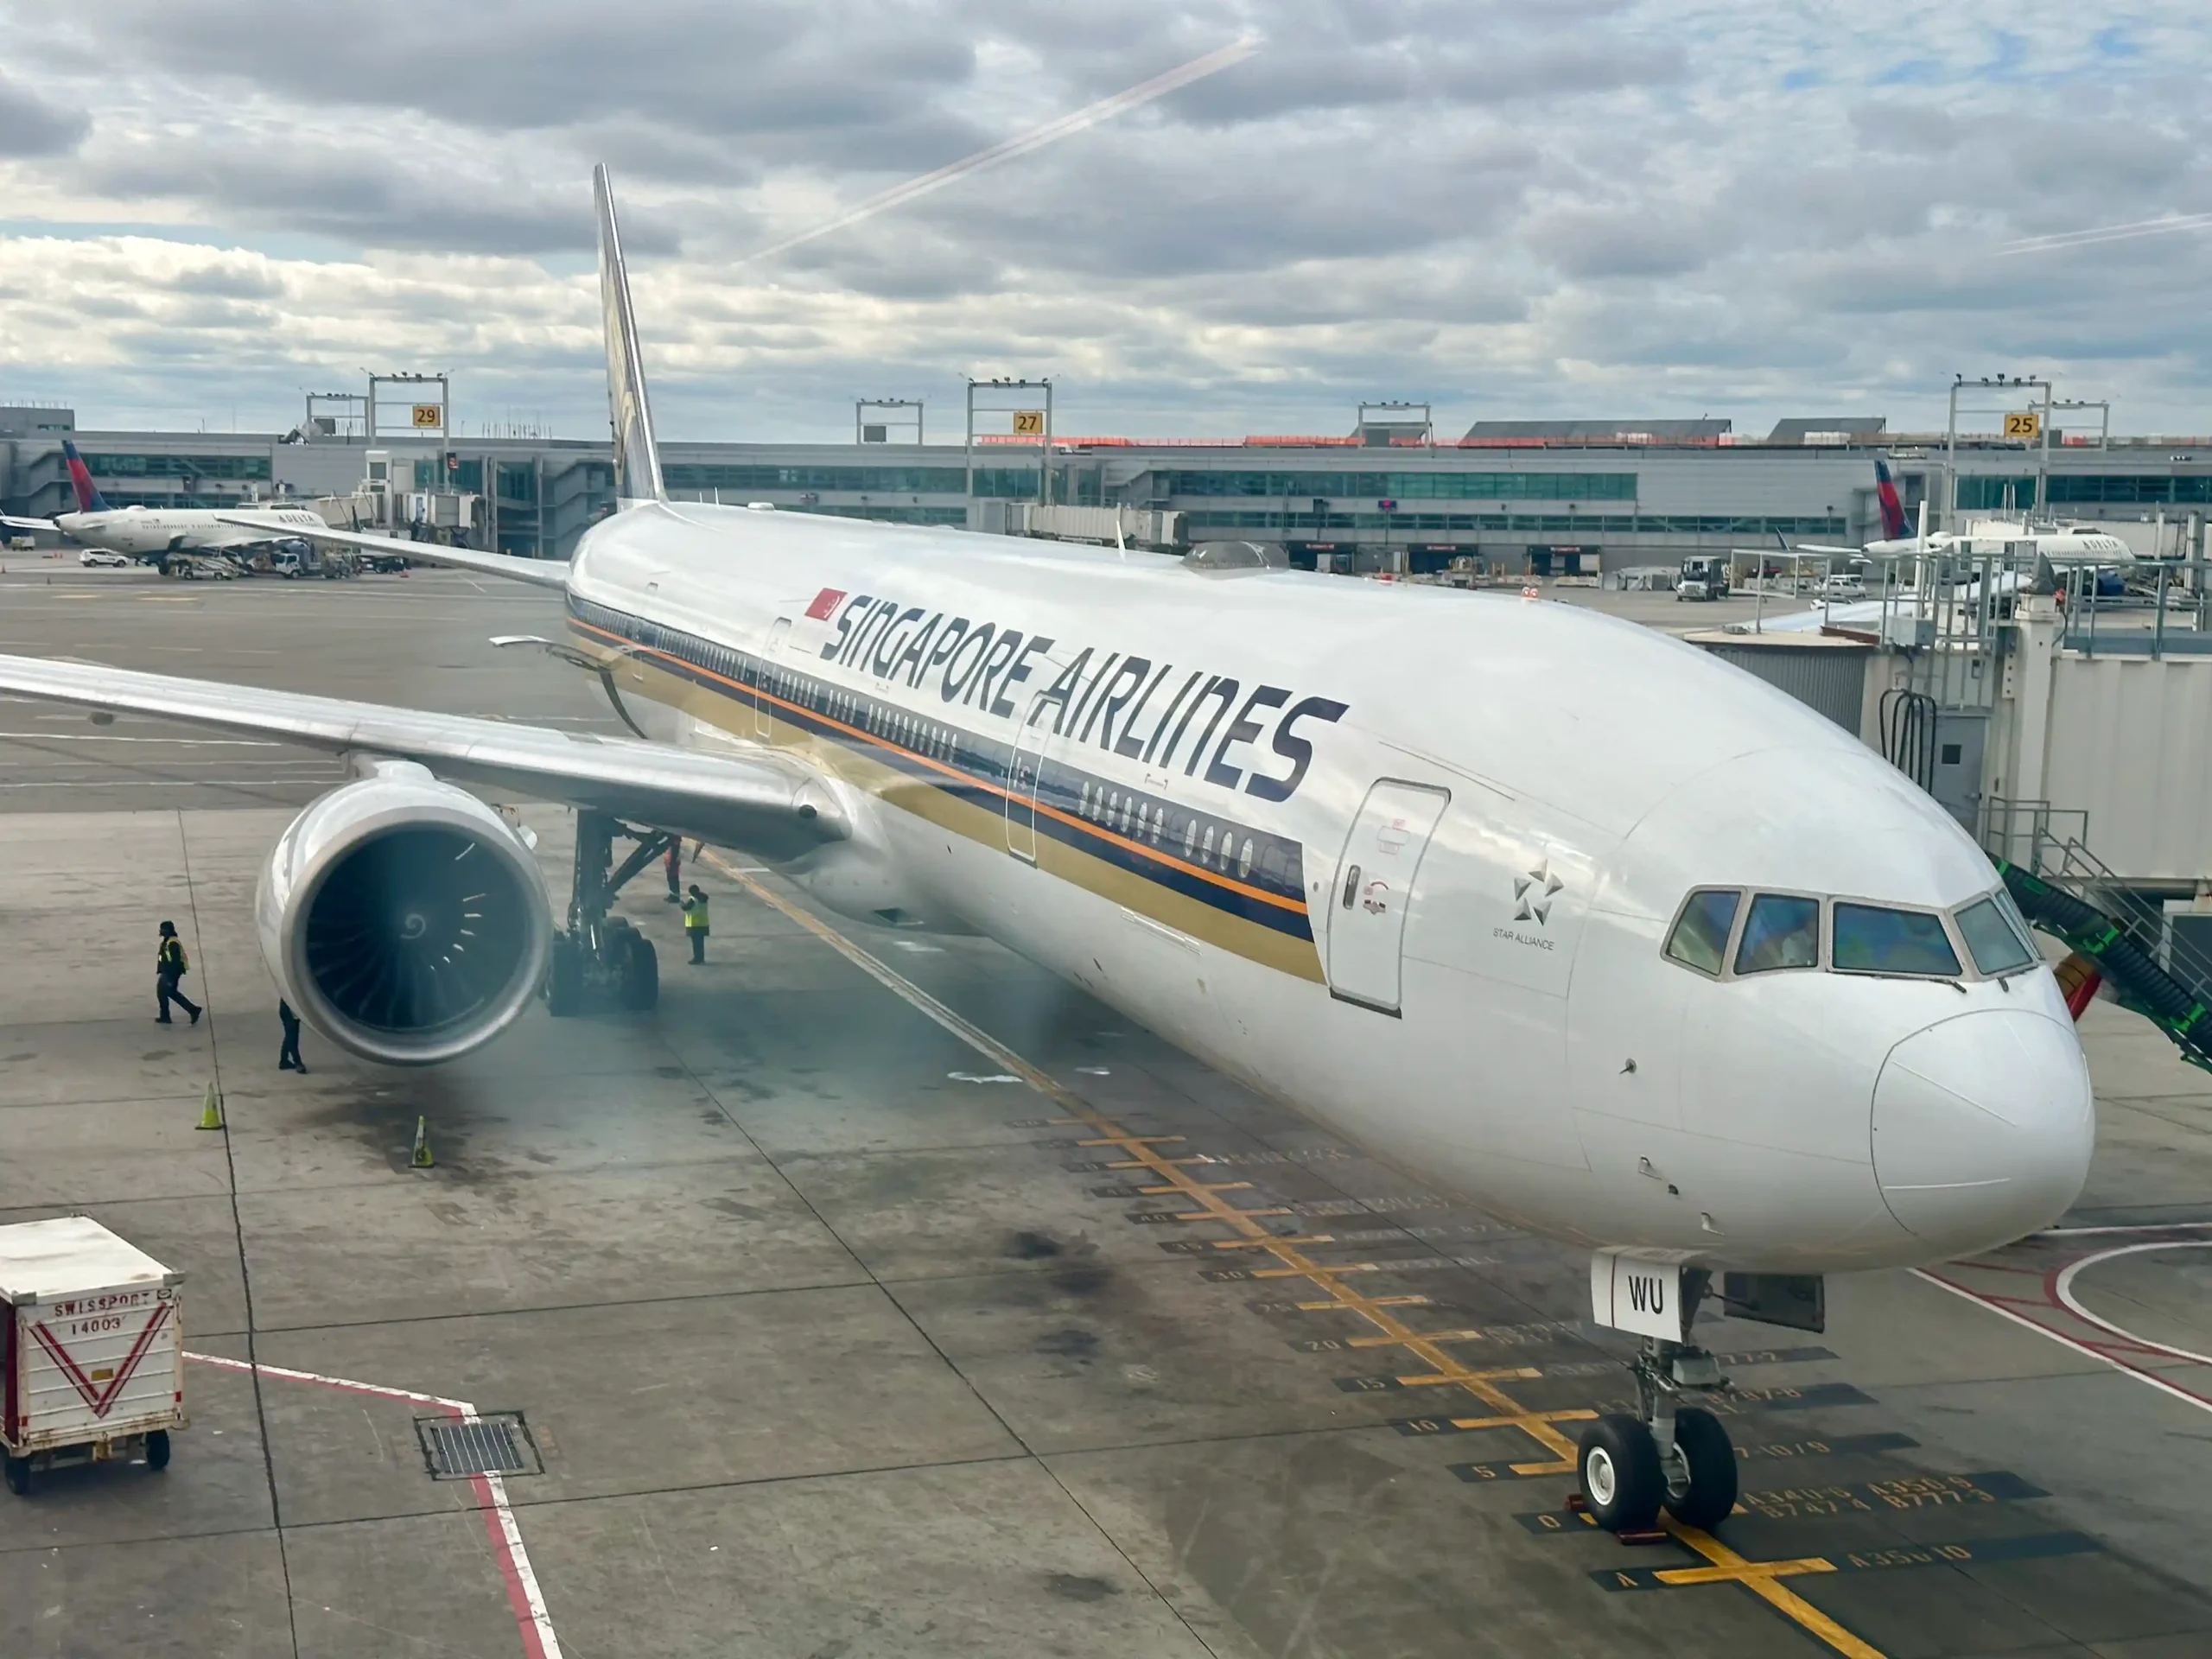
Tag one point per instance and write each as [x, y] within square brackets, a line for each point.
[89, 499]
[637, 458]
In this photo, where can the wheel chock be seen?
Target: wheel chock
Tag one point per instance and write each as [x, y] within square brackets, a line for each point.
[211, 1109]
[419, 1158]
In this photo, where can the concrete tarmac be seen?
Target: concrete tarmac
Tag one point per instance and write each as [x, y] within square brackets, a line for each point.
[877, 1296]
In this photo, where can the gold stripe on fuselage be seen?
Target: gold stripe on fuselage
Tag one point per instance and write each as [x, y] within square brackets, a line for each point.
[732, 707]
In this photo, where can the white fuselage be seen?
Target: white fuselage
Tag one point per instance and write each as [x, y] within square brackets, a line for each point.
[1403, 858]
[149, 531]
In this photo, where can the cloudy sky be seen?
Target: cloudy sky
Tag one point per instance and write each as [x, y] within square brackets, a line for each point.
[1585, 207]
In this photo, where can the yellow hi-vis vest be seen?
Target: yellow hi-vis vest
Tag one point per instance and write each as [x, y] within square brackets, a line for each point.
[695, 913]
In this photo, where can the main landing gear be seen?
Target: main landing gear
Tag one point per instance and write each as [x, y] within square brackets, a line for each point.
[601, 955]
[1670, 1453]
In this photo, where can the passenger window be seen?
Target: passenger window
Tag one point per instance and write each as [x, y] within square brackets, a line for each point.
[1870, 939]
[1996, 949]
[1700, 937]
[1781, 931]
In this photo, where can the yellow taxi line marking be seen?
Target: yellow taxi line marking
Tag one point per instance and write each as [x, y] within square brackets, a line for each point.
[1360, 1305]
[1255, 1244]
[1431, 1335]
[1210, 1186]
[1724, 1564]
[1208, 1215]
[1503, 1373]
[1130, 1142]
[1514, 1419]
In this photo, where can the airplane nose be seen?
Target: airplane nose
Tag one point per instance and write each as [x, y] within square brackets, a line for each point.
[1983, 1129]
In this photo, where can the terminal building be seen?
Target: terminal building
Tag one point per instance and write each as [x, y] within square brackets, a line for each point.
[1547, 498]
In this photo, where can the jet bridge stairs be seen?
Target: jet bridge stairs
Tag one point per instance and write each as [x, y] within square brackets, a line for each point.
[2117, 935]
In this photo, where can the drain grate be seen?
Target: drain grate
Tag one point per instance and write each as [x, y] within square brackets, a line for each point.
[497, 1443]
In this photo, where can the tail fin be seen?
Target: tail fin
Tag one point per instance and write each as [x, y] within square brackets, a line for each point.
[1885, 492]
[637, 458]
[89, 499]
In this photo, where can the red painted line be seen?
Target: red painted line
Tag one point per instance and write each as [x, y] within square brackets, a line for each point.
[532, 1623]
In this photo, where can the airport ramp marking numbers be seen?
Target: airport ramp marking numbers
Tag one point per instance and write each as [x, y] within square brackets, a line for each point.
[1292, 1262]
[1541, 1426]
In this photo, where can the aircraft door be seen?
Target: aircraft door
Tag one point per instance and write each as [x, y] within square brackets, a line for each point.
[763, 709]
[1024, 773]
[1374, 887]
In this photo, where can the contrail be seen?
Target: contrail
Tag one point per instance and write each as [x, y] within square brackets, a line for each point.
[1036, 138]
[2109, 233]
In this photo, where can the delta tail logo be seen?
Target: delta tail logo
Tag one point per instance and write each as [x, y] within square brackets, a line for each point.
[89, 499]
[1885, 492]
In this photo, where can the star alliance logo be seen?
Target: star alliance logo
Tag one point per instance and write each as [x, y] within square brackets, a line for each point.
[1533, 893]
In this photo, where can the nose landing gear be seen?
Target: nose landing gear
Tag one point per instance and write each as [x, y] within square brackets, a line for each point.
[1669, 1454]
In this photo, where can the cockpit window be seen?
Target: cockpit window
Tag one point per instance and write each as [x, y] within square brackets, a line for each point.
[1991, 940]
[1700, 937]
[1870, 939]
[1781, 930]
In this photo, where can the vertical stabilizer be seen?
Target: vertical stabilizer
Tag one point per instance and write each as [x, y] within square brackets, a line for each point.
[637, 459]
[1886, 495]
[89, 499]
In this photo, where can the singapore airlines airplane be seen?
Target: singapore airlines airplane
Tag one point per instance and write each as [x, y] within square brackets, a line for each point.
[1573, 919]
[154, 533]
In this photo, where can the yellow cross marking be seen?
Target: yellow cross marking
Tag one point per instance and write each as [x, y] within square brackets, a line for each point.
[1762, 1579]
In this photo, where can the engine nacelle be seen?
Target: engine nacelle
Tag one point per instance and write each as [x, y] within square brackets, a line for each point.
[403, 918]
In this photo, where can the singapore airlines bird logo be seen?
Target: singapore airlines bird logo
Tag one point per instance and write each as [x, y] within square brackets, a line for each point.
[1534, 892]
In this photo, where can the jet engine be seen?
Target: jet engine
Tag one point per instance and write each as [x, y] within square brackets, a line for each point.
[403, 918]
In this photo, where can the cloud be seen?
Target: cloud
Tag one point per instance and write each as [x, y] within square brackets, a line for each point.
[30, 126]
[1599, 206]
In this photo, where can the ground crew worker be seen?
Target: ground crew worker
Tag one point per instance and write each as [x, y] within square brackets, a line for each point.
[287, 1057]
[169, 967]
[674, 865]
[695, 923]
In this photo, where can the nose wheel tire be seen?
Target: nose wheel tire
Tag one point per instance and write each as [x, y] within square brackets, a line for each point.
[1622, 1485]
[1706, 1498]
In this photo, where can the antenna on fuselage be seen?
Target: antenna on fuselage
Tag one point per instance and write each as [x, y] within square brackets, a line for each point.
[637, 458]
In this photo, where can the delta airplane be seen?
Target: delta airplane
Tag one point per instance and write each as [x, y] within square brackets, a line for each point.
[2062, 544]
[1576, 921]
[154, 533]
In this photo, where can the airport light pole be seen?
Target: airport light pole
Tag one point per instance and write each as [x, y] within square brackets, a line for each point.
[991, 398]
[889, 411]
[2037, 416]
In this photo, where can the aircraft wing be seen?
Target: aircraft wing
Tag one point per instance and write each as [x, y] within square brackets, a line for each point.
[773, 804]
[543, 573]
[8, 522]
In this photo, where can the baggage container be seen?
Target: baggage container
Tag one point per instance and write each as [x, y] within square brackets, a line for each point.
[92, 1350]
